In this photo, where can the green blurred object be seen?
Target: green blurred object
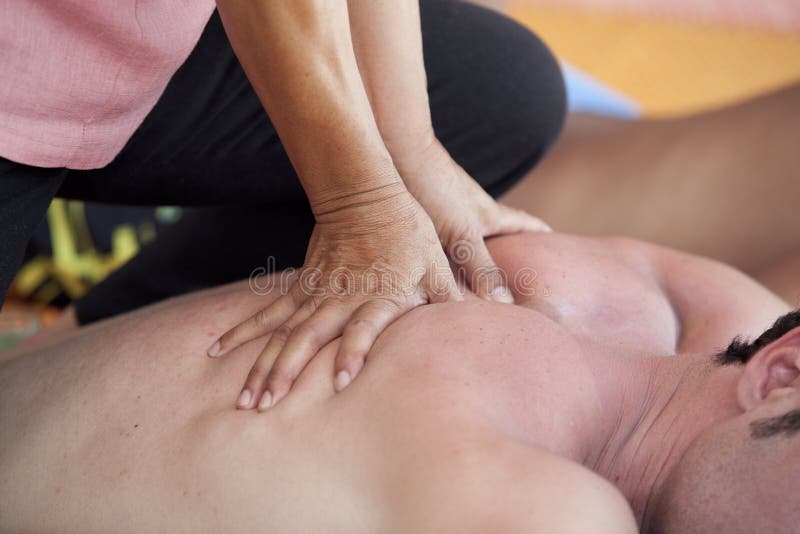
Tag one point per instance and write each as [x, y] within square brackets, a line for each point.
[79, 245]
[16, 326]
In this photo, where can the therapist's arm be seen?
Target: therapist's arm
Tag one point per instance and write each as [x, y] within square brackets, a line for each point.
[387, 39]
[299, 57]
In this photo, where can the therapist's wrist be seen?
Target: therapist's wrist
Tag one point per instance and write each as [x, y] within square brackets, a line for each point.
[427, 159]
[408, 144]
[370, 212]
[357, 196]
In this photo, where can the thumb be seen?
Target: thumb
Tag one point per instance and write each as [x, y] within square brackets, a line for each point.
[441, 286]
[511, 221]
[483, 275]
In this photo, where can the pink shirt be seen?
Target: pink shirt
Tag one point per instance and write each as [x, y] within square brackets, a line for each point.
[77, 77]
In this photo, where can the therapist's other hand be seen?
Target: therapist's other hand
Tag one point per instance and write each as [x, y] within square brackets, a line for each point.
[371, 258]
[464, 214]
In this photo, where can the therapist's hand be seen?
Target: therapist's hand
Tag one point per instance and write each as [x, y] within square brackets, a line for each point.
[387, 41]
[372, 257]
[464, 214]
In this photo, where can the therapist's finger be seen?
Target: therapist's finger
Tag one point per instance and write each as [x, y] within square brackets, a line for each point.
[511, 220]
[302, 345]
[483, 276]
[256, 381]
[360, 334]
[260, 324]
[442, 287]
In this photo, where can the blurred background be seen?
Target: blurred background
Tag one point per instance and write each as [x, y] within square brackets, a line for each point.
[622, 58]
[672, 57]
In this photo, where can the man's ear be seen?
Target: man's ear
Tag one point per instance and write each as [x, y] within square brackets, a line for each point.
[773, 367]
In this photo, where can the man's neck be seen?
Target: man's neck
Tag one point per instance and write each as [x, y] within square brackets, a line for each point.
[653, 409]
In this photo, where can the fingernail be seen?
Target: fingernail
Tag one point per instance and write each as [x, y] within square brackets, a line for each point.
[502, 294]
[266, 402]
[214, 350]
[244, 399]
[342, 380]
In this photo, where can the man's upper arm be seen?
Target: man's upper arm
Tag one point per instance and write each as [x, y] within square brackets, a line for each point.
[516, 488]
[713, 302]
[566, 498]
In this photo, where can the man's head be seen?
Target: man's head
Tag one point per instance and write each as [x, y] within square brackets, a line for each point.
[743, 474]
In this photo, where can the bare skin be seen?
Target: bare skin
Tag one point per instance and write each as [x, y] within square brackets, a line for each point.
[784, 278]
[723, 184]
[380, 185]
[630, 178]
[128, 426]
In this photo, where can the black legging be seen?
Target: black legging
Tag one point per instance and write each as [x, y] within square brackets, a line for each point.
[497, 104]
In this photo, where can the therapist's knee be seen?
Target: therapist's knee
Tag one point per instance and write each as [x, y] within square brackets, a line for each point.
[539, 103]
[530, 97]
[498, 100]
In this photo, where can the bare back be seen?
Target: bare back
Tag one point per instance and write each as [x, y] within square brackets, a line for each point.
[128, 426]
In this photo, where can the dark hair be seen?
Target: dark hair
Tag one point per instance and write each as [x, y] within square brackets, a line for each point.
[740, 351]
[787, 424]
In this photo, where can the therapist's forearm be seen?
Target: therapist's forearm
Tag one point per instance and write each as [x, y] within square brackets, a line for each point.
[387, 39]
[299, 57]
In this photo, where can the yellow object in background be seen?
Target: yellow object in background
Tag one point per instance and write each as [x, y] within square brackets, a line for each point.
[83, 245]
[669, 67]
[76, 265]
